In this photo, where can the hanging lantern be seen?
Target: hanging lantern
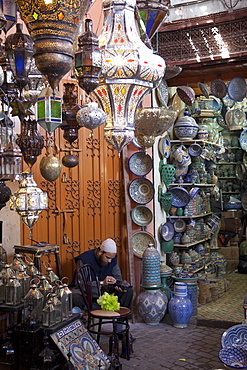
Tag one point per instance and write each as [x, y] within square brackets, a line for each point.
[53, 26]
[35, 84]
[69, 110]
[150, 16]
[49, 109]
[50, 165]
[19, 49]
[10, 160]
[90, 116]
[88, 62]
[30, 142]
[8, 85]
[29, 201]
[130, 70]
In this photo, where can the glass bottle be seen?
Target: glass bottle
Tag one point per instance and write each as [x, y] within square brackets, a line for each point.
[33, 305]
[13, 291]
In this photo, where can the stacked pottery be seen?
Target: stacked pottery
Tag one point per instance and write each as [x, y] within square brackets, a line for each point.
[180, 306]
[152, 302]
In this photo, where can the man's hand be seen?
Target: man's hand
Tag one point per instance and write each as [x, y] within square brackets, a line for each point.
[109, 280]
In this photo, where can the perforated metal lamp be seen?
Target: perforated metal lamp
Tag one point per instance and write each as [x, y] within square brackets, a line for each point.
[130, 70]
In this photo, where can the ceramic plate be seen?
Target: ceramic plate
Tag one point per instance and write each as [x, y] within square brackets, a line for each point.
[162, 92]
[243, 139]
[218, 88]
[172, 71]
[141, 190]
[164, 146]
[140, 163]
[167, 231]
[186, 94]
[235, 336]
[142, 215]
[235, 118]
[204, 89]
[140, 241]
[180, 196]
[237, 89]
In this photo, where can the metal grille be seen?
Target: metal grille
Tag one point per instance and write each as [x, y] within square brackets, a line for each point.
[198, 44]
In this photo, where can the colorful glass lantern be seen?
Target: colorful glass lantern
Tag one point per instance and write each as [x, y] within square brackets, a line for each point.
[88, 62]
[35, 84]
[29, 201]
[151, 15]
[53, 26]
[130, 70]
[49, 109]
[19, 49]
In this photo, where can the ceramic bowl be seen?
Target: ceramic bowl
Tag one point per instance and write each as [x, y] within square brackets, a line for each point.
[193, 192]
[235, 336]
[167, 231]
[140, 163]
[180, 196]
[179, 226]
[141, 190]
[142, 215]
[234, 357]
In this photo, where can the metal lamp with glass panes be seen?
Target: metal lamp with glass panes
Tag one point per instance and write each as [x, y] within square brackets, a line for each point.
[13, 291]
[33, 306]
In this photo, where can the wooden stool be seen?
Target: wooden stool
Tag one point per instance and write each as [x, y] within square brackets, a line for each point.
[38, 250]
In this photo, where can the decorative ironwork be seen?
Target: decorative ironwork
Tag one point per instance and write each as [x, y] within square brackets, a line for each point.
[93, 145]
[114, 193]
[205, 42]
[73, 249]
[93, 198]
[50, 189]
[72, 191]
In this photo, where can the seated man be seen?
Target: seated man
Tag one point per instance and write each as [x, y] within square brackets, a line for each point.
[104, 261]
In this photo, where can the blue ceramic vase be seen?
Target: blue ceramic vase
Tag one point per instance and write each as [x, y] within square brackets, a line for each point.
[152, 305]
[180, 306]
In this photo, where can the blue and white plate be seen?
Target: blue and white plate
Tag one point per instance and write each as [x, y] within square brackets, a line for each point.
[140, 163]
[167, 231]
[243, 139]
[164, 146]
[235, 336]
[140, 241]
[141, 190]
[237, 89]
[142, 215]
[180, 196]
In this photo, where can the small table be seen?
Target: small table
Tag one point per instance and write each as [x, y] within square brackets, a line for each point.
[38, 250]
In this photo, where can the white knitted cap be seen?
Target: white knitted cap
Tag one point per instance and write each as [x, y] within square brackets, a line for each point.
[109, 246]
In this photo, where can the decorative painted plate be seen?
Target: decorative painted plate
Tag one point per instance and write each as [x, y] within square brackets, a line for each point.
[140, 241]
[243, 139]
[218, 88]
[163, 94]
[142, 215]
[180, 196]
[186, 94]
[172, 71]
[167, 231]
[204, 89]
[140, 163]
[237, 89]
[235, 118]
[235, 336]
[164, 146]
[141, 190]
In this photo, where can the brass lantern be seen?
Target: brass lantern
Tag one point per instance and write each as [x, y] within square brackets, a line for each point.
[53, 26]
[130, 70]
[29, 201]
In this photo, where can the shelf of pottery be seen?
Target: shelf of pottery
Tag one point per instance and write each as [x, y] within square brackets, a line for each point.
[190, 180]
[141, 192]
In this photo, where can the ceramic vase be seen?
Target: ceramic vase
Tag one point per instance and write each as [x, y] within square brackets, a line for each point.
[180, 306]
[152, 305]
[151, 267]
[186, 127]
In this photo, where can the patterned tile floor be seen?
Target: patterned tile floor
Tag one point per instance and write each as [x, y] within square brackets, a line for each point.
[230, 306]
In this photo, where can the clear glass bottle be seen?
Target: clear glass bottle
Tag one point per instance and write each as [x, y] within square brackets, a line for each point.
[13, 291]
[33, 305]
